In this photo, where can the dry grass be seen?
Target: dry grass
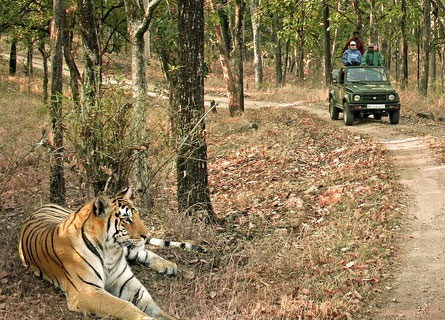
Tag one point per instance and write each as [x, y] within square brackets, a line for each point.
[309, 224]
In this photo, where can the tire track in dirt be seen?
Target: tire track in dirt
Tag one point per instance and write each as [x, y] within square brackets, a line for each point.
[419, 285]
[418, 291]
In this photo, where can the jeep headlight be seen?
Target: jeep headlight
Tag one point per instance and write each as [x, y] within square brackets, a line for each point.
[356, 97]
[391, 97]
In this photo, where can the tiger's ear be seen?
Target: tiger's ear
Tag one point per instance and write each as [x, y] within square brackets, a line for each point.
[101, 206]
[126, 193]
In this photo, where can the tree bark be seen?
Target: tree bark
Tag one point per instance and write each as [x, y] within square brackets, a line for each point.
[93, 61]
[300, 55]
[13, 58]
[192, 174]
[277, 52]
[404, 75]
[29, 56]
[358, 13]
[426, 40]
[257, 59]
[75, 79]
[240, 8]
[45, 81]
[372, 22]
[327, 43]
[139, 17]
[286, 60]
[57, 179]
[224, 59]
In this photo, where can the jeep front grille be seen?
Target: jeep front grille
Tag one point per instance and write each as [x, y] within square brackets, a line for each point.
[374, 97]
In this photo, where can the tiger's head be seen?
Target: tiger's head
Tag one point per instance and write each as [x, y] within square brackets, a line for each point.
[120, 219]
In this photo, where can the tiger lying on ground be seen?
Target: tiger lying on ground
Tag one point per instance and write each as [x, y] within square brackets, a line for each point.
[85, 254]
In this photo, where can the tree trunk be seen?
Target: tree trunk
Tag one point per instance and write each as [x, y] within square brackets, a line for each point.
[93, 62]
[300, 55]
[13, 58]
[418, 56]
[404, 75]
[372, 23]
[239, 52]
[224, 59]
[358, 14]
[192, 174]
[44, 54]
[139, 17]
[327, 43]
[426, 40]
[286, 60]
[433, 69]
[75, 78]
[257, 59]
[29, 67]
[277, 51]
[224, 22]
[57, 180]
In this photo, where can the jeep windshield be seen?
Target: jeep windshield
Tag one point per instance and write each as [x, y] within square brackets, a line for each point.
[364, 75]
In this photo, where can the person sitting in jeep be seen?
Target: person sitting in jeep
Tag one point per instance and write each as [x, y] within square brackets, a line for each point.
[352, 57]
[372, 57]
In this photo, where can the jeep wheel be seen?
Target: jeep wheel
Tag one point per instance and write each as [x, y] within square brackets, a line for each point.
[333, 110]
[378, 116]
[348, 115]
[394, 116]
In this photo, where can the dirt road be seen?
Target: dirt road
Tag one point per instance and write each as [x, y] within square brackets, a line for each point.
[418, 291]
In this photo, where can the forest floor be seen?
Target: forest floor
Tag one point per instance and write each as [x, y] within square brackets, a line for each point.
[416, 149]
[322, 221]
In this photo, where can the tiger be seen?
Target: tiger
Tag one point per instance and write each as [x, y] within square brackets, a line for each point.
[86, 253]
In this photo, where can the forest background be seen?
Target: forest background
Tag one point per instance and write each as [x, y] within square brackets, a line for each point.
[317, 224]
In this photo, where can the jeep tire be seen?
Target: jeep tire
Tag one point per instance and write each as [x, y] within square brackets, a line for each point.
[394, 116]
[348, 115]
[333, 110]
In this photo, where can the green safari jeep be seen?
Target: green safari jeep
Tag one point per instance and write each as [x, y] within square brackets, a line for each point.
[359, 91]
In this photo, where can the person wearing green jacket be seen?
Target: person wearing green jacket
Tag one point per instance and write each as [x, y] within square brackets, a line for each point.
[372, 57]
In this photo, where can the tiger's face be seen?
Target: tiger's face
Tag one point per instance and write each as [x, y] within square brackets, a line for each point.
[121, 220]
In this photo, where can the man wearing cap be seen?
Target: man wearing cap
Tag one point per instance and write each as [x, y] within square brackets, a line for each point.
[352, 57]
[359, 43]
[372, 57]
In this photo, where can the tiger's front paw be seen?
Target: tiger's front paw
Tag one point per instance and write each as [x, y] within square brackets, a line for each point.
[165, 267]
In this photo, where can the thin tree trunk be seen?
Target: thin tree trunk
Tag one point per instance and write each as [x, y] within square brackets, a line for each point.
[29, 66]
[418, 56]
[75, 78]
[286, 60]
[257, 59]
[224, 22]
[372, 22]
[426, 39]
[224, 59]
[240, 8]
[13, 58]
[93, 62]
[433, 69]
[327, 43]
[404, 76]
[359, 25]
[277, 52]
[45, 81]
[57, 180]
[192, 174]
[300, 56]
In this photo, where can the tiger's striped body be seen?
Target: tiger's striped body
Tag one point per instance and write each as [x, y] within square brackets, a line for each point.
[85, 254]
